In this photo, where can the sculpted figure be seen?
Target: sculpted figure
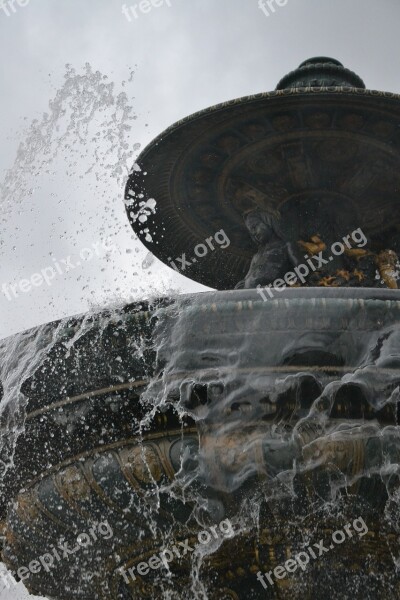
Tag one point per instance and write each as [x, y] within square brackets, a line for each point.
[274, 257]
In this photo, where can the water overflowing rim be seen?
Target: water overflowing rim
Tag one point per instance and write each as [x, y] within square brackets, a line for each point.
[164, 305]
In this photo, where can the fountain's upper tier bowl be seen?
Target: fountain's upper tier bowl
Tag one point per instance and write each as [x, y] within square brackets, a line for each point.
[289, 153]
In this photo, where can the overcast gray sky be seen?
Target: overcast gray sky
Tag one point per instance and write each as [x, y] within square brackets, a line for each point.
[170, 62]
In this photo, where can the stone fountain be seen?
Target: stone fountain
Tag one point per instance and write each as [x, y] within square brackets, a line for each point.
[255, 428]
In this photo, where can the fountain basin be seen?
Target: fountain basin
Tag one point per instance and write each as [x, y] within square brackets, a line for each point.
[166, 420]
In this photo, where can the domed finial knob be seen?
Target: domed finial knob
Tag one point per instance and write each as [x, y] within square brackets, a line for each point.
[321, 71]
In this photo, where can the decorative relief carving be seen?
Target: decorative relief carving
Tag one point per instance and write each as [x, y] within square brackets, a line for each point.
[144, 463]
[72, 484]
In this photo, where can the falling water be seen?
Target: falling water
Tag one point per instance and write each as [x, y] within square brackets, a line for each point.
[88, 127]
[296, 416]
[20, 357]
[298, 433]
[88, 123]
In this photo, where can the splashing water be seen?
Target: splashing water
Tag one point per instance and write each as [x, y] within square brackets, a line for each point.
[299, 432]
[88, 123]
[300, 425]
[20, 357]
